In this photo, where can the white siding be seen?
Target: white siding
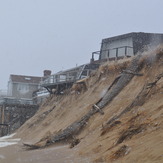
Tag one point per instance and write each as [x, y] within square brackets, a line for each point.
[10, 87]
[23, 88]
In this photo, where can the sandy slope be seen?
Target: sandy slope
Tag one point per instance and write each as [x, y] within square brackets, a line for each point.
[137, 136]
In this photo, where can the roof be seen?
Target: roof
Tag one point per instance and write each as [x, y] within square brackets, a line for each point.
[132, 34]
[25, 79]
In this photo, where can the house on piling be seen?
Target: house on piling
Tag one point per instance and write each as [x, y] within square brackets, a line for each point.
[20, 103]
[20, 86]
[127, 45]
[59, 82]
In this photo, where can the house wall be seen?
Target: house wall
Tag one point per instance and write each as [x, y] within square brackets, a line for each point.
[23, 90]
[139, 41]
[144, 41]
[112, 45]
[9, 91]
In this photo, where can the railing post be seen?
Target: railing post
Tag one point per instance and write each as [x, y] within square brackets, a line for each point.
[117, 52]
[125, 50]
[92, 56]
[3, 114]
[8, 130]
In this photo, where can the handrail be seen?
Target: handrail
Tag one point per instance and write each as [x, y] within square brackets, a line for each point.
[99, 52]
[15, 101]
[80, 73]
[70, 75]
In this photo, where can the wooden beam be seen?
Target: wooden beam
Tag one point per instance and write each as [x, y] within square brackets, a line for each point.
[131, 72]
[98, 109]
[3, 114]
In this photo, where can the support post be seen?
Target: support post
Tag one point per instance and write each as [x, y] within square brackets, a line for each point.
[125, 50]
[117, 52]
[3, 114]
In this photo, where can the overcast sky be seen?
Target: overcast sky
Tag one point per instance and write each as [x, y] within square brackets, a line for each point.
[58, 34]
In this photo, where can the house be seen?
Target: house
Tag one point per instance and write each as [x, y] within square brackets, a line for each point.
[20, 86]
[63, 80]
[128, 44]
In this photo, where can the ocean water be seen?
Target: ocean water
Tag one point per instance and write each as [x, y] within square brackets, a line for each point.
[7, 140]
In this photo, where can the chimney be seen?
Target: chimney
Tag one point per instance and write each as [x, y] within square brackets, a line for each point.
[47, 73]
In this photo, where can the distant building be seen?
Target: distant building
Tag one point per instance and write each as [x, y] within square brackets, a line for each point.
[20, 86]
[128, 44]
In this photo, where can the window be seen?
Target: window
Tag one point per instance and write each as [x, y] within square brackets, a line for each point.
[27, 78]
[23, 87]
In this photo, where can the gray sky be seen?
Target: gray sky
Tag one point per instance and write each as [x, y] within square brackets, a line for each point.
[58, 34]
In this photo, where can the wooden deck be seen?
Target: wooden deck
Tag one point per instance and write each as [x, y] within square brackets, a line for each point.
[65, 79]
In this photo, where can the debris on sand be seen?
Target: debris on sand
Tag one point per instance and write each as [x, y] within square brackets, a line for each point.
[118, 84]
[121, 152]
[130, 132]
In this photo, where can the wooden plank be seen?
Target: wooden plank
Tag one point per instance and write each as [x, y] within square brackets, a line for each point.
[98, 109]
[132, 72]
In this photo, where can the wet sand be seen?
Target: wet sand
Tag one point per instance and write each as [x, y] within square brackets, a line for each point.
[55, 154]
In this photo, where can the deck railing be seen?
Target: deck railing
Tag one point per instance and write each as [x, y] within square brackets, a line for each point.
[64, 76]
[115, 50]
[15, 101]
